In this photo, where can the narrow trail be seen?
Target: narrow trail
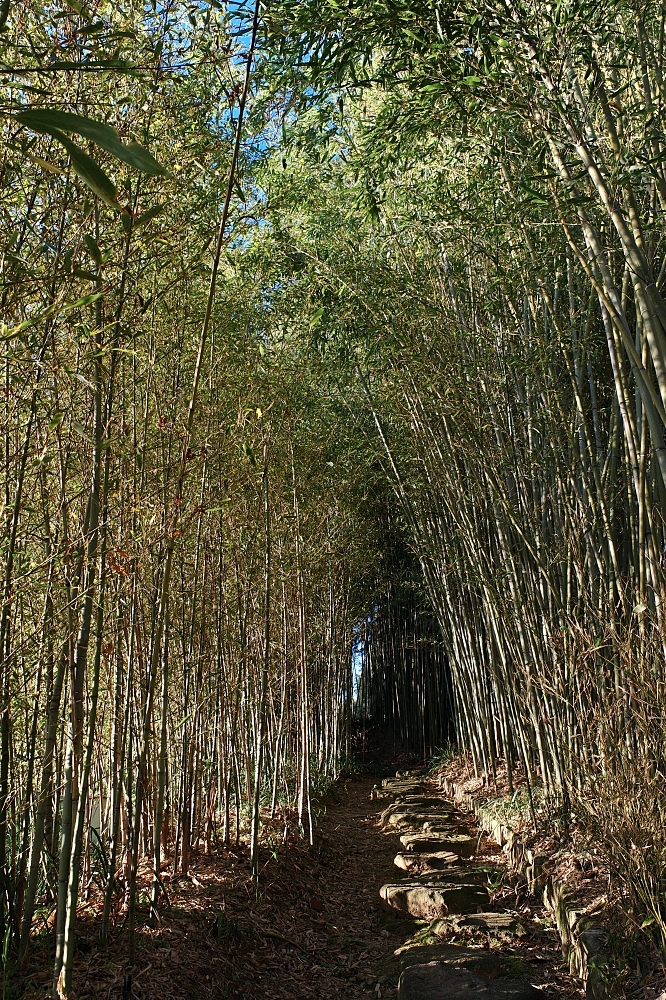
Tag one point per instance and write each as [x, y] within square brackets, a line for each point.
[315, 928]
[365, 928]
[318, 927]
[329, 906]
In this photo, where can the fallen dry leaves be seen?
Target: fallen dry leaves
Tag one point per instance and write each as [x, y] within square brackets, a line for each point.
[313, 927]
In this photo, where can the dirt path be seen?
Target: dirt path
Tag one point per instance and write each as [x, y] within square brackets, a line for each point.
[315, 927]
[312, 929]
[328, 905]
[337, 939]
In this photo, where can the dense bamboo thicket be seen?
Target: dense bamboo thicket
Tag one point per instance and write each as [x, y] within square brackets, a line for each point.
[182, 570]
[505, 316]
[285, 292]
[403, 681]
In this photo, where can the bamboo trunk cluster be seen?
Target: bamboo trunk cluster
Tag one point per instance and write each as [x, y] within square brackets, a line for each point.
[191, 724]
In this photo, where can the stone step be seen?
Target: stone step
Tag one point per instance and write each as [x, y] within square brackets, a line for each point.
[500, 925]
[440, 809]
[403, 783]
[453, 872]
[419, 824]
[386, 795]
[427, 843]
[399, 815]
[396, 790]
[429, 902]
[429, 800]
[438, 981]
[437, 826]
[443, 822]
[437, 808]
[455, 875]
[435, 861]
[439, 887]
[480, 960]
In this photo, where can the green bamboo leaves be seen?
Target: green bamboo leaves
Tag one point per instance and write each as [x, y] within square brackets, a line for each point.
[51, 121]
[55, 122]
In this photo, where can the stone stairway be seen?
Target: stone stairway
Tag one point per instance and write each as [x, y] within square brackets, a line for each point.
[438, 879]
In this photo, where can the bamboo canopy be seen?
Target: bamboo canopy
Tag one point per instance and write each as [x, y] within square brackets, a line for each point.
[333, 394]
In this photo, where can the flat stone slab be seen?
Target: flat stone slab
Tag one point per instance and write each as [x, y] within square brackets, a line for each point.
[434, 841]
[430, 800]
[436, 861]
[495, 924]
[430, 813]
[416, 818]
[408, 786]
[437, 826]
[428, 902]
[433, 810]
[435, 981]
[390, 788]
[455, 874]
[480, 960]
[391, 794]
[458, 872]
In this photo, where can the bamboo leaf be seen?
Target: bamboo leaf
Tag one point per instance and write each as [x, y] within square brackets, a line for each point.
[148, 216]
[53, 122]
[90, 172]
[57, 308]
[94, 249]
[86, 275]
[317, 316]
[138, 156]
[45, 165]
[79, 8]
[92, 175]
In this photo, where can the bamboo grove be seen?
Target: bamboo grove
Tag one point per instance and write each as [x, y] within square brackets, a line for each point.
[334, 344]
[182, 572]
[505, 316]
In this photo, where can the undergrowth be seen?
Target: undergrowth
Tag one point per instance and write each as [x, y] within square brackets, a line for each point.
[441, 756]
[517, 811]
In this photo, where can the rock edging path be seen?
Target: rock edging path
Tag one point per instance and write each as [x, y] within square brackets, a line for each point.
[437, 878]
[583, 936]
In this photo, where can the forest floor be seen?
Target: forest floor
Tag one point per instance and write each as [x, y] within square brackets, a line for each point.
[314, 928]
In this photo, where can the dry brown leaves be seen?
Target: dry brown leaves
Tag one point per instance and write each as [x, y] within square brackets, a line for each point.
[313, 928]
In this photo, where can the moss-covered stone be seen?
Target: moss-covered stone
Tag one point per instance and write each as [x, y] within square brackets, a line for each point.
[497, 925]
[426, 843]
[435, 861]
[435, 900]
[435, 981]
[413, 817]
